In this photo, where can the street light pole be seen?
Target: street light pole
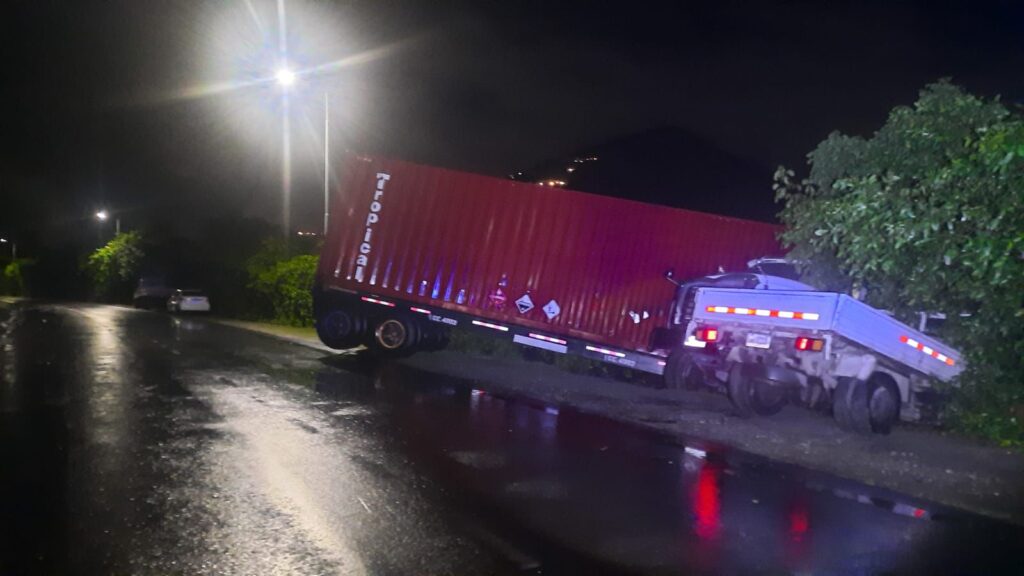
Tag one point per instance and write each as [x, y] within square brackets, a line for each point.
[285, 78]
[327, 162]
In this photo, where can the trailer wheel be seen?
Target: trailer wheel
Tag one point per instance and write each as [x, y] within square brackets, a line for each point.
[850, 406]
[339, 328]
[434, 339]
[680, 371]
[394, 337]
[740, 391]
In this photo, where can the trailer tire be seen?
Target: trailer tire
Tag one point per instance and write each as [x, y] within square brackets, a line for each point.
[850, 406]
[394, 337]
[739, 391]
[340, 329]
[434, 339]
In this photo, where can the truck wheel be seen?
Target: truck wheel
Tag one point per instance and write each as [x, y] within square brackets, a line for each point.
[339, 329]
[740, 391]
[883, 403]
[394, 337]
[680, 371]
[767, 399]
[850, 406]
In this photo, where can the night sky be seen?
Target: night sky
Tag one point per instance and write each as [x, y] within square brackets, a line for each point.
[157, 108]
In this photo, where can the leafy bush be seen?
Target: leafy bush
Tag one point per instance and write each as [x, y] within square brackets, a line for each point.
[114, 268]
[928, 215]
[12, 283]
[286, 285]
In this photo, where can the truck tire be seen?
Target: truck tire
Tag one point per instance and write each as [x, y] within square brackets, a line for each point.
[740, 391]
[850, 406]
[394, 337]
[680, 371]
[339, 328]
[883, 402]
[767, 399]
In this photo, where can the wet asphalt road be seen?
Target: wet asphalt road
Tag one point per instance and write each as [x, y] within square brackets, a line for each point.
[138, 443]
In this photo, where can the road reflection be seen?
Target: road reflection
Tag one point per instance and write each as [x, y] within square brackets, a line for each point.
[618, 496]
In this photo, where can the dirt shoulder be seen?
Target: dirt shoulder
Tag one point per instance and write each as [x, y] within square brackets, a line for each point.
[921, 462]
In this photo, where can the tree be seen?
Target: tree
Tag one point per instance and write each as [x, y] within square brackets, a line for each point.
[12, 281]
[113, 268]
[928, 215]
[287, 286]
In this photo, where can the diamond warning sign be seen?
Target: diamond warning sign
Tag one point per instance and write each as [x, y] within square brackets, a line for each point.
[551, 309]
[525, 304]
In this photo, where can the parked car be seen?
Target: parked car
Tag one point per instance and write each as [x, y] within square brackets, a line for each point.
[190, 300]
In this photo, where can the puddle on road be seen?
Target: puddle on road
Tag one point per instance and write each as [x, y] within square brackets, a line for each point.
[627, 497]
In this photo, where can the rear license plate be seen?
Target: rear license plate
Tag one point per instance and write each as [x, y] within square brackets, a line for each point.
[757, 340]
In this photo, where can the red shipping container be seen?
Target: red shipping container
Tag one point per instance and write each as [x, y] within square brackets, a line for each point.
[590, 267]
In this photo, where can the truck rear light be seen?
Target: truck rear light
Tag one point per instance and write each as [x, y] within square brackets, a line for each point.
[707, 334]
[805, 344]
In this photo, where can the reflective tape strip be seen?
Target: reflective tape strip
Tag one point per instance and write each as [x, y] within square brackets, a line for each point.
[375, 301]
[606, 351]
[548, 339]
[419, 310]
[763, 313]
[491, 326]
[542, 344]
[927, 350]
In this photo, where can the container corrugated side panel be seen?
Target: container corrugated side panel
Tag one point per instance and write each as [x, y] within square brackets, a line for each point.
[442, 232]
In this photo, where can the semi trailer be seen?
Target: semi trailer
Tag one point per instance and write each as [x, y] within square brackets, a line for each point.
[414, 251]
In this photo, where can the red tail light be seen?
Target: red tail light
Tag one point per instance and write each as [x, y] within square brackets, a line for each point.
[707, 334]
[805, 344]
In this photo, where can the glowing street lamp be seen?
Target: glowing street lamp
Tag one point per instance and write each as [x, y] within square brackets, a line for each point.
[286, 79]
[14, 248]
[103, 215]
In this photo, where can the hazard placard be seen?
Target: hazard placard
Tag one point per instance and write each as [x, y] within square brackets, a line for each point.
[551, 309]
[524, 304]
